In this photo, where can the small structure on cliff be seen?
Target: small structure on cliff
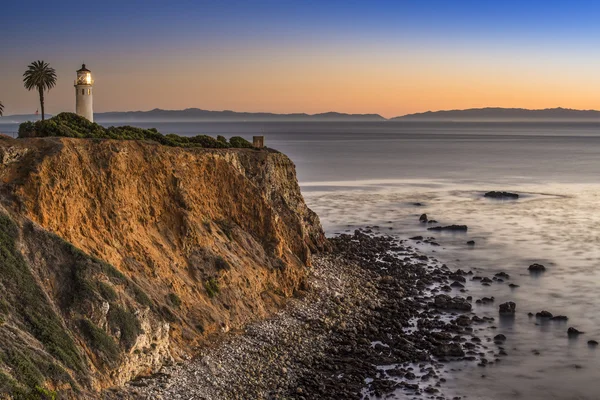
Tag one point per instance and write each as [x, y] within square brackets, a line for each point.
[83, 93]
[258, 142]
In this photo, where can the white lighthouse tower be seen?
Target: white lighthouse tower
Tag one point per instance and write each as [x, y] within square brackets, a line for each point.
[83, 93]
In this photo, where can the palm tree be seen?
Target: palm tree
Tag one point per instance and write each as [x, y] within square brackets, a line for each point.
[1, 108]
[40, 76]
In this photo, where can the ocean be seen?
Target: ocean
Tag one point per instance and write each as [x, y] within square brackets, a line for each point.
[358, 174]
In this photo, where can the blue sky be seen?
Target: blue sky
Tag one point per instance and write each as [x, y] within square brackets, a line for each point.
[221, 43]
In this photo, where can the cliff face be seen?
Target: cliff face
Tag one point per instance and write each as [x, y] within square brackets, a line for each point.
[175, 246]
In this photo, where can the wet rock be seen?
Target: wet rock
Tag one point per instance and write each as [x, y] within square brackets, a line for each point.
[423, 218]
[513, 285]
[416, 238]
[456, 284]
[448, 350]
[443, 301]
[486, 280]
[502, 275]
[508, 308]
[559, 318]
[454, 228]
[592, 343]
[501, 195]
[544, 314]
[471, 243]
[536, 268]
[499, 338]
[573, 332]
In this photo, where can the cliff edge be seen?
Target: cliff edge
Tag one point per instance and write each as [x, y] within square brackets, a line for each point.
[121, 256]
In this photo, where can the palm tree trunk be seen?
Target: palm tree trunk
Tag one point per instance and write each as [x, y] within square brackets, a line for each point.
[42, 101]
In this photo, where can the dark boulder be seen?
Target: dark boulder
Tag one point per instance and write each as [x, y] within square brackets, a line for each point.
[502, 275]
[508, 308]
[513, 285]
[499, 338]
[544, 314]
[423, 218]
[471, 243]
[445, 302]
[448, 350]
[559, 318]
[456, 284]
[573, 332]
[501, 195]
[416, 238]
[592, 343]
[536, 268]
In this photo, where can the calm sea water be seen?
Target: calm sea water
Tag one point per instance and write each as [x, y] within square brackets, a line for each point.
[357, 174]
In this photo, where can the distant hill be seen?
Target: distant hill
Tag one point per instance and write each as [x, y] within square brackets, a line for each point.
[196, 114]
[503, 114]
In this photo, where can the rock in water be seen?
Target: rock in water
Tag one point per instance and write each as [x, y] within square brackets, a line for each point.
[461, 228]
[508, 308]
[592, 343]
[446, 302]
[544, 314]
[573, 332]
[471, 243]
[499, 338]
[501, 195]
[559, 318]
[423, 218]
[536, 268]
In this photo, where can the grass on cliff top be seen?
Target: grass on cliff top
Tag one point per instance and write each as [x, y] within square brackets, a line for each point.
[73, 126]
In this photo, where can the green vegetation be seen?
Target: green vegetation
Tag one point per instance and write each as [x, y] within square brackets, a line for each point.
[227, 227]
[30, 302]
[212, 287]
[100, 341]
[174, 300]
[222, 264]
[140, 296]
[41, 77]
[107, 291]
[125, 322]
[74, 126]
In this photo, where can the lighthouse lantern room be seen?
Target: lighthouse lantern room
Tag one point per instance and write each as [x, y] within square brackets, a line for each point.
[84, 93]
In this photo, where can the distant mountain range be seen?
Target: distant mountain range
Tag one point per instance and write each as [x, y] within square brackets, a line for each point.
[196, 114]
[503, 114]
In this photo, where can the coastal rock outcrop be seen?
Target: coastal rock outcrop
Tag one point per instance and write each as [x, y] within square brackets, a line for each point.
[128, 254]
[508, 308]
[501, 195]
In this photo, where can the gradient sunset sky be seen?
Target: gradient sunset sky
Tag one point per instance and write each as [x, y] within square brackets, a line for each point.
[386, 57]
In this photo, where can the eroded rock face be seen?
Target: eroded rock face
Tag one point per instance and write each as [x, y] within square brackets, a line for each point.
[200, 241]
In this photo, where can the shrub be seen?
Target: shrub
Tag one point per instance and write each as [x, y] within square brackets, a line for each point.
[107, 291]
[140, 296]
[174, 300]
[239, 142]
[127, 323]
[100, 341]
[75, 126]
[222, 264]
[227, 227]
[212, 287]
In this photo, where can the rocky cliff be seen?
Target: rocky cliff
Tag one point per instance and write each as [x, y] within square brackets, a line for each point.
[120, 256]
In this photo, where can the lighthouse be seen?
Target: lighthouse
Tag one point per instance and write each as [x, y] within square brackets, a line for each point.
[83, 93]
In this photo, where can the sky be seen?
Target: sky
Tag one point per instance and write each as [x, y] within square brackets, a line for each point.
[385, 57]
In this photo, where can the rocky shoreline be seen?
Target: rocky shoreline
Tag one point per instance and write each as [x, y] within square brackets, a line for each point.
[373, 321]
